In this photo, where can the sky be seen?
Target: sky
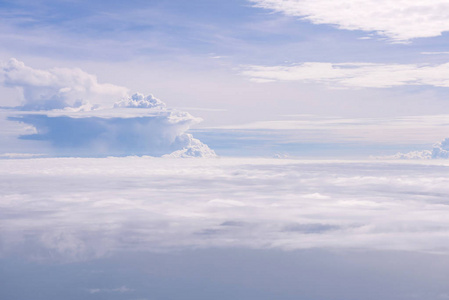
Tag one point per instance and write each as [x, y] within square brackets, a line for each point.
[240, 149]
[260, 74]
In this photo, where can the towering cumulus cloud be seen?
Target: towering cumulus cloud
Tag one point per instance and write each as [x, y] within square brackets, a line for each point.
[58, 87]
[76, 115]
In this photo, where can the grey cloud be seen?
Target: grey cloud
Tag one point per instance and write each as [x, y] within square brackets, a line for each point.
[153, 135]
[122, 289]
[311, 228]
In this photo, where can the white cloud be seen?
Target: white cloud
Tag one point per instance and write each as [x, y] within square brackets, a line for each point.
[389, 130]
[435, 53]
[140, 101]
[154, 204]
[399, 20]
[193, 148]
[75, 115]
[439, 151]
[425, 154]
[359, 75]
[19, 155]
[58, 87]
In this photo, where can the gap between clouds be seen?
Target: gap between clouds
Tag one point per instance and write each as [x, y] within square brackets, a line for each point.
[78, 116]
[399, 21]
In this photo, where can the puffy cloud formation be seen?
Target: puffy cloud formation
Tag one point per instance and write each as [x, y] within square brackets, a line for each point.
[400, 20]
[364, 75]
[153, 204]
[439, 151]
[140, 101]
[425, 154]
[74, 114]
[195, 149]
[57, 88]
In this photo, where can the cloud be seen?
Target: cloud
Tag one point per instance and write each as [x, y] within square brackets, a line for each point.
[154, 204]
[140, 101]
[399, 21]
[195, 149]
[311, 128]
[358, 75]
[439, 151]
[19, 155]
[122, 289]
[57, 88]
[154, 135]
[435, 53]
[75, 115]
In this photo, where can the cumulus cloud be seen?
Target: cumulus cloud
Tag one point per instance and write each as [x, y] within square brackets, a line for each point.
[140, 101]
[58, 87]
[399, 21]
[155, 204]
[195, 149]
[150, 134]
[439, 151]
[70, 111]
[363, 75]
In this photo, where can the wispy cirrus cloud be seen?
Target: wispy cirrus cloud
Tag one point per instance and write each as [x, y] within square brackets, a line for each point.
[353, 75]
[399, 21]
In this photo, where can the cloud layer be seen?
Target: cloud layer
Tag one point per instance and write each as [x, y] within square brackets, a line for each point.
[398, 20]
[75, 115]
[363, 75]
[79, 208]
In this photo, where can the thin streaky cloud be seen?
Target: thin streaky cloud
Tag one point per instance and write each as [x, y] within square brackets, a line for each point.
[353, 74]
[435, 53]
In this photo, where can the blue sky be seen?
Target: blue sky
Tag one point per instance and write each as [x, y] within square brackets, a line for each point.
[236, 63]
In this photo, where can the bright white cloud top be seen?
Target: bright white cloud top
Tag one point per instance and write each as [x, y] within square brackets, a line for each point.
[58, 87]
[76, 115]
[398, 20]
